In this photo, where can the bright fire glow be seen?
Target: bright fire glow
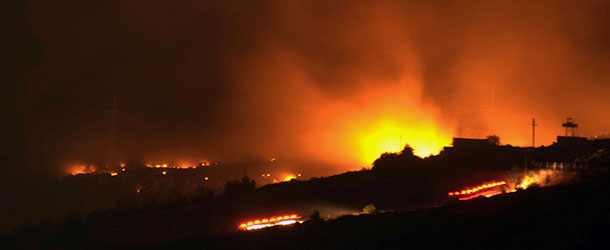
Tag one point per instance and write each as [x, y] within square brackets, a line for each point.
[289, 178]
[379, 120]
[114, 174]
[269, 222]
[81, 169]
[385, 136]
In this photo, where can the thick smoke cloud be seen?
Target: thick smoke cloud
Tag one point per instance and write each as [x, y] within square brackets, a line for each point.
[222, 80]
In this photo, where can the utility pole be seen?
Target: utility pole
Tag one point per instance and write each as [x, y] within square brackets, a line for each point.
[534, 132]
[115, 112]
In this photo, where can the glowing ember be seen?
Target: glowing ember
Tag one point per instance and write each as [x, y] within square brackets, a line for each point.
[269, 222]
[164, 172]
[289, 178]
[114, 174]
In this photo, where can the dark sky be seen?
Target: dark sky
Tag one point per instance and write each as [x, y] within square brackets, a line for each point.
[222, 80]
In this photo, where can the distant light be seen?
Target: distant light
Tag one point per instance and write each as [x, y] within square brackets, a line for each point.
[206, 178]
[122, 165]
[114, 174]
[164, 172]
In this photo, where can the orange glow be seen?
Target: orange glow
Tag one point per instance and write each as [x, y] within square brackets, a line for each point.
[384, 136]
[289, 178]
[164, 172]
[81, 169]
[206, 178]
[114, 174]
[380, 120]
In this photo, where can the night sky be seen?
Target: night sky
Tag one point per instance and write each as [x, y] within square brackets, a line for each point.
[300, 80]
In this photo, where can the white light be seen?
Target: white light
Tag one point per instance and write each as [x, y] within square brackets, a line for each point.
[287, 222]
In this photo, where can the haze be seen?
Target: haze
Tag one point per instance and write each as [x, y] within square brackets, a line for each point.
[332, 82]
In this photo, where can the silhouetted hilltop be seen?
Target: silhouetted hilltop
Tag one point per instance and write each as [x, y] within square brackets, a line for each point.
[396, 181]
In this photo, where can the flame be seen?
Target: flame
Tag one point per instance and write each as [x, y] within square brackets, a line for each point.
[379, 120]
[114, 174]
[542, 178]
[289, 177]
[389, 135]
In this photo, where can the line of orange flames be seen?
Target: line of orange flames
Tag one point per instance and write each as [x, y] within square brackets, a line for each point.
[268, 220]
[478, 188]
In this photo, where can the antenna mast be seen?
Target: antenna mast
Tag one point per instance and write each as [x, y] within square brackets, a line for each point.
[115, 112]
[534, 132]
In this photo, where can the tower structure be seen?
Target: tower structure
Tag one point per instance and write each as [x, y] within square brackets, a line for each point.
[570, 126]
[534, 132]
[114, 112]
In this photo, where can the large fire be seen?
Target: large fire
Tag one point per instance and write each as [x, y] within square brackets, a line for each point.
[380, 120]
[388, 135]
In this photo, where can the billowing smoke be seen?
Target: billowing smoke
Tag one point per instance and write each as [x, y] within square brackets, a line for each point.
[331, 81]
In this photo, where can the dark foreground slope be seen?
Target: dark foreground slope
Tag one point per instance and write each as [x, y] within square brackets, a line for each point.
[574, 216]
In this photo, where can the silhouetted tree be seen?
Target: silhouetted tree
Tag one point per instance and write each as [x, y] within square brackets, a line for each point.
[315, 216]
[493, 140]
[240, 187]
[393, 161]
